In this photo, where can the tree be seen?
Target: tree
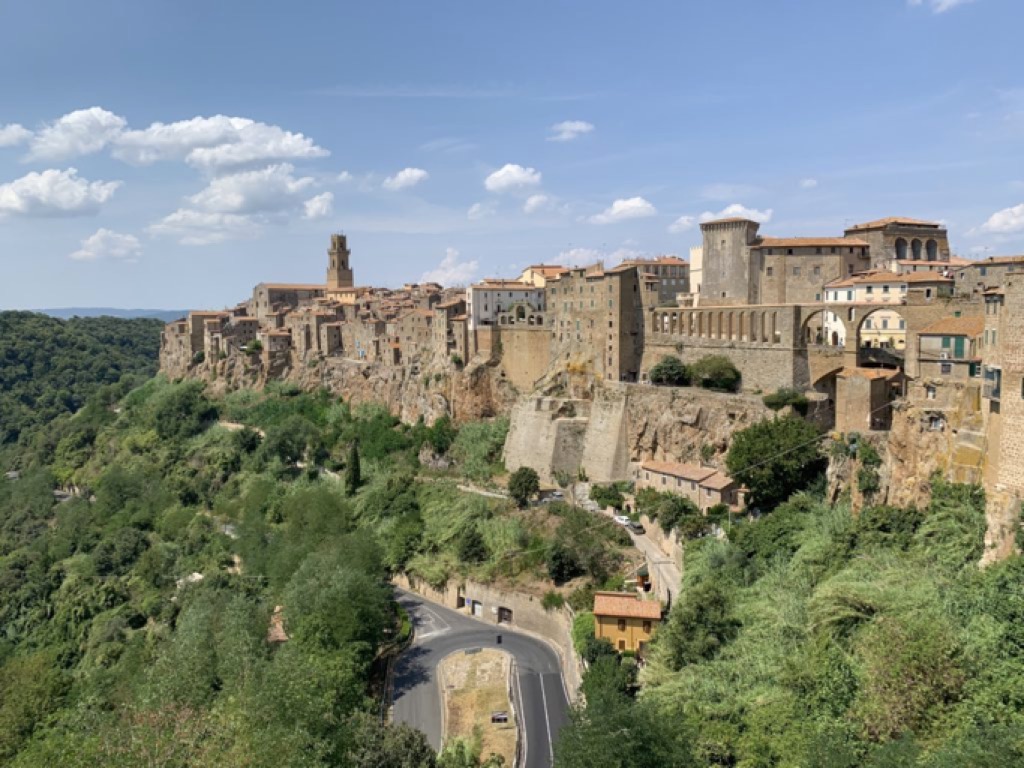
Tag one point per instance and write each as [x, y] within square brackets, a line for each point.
[441, 435]
[774, 459]
[471, 547]
[716, 372]
[562, 563]
[379, 745]
[670, 372]
[353, 475]
[523, 485]
[700, 624]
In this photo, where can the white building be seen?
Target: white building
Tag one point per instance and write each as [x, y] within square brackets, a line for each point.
[879, 288]
[487, 299]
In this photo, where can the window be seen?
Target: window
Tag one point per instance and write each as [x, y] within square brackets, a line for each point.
[768, 252]
[945, 342]
[817, 270]
[870, 290]
[834, 249]
[929, 392]
[622, 625]
[769, 271]
[867, 324]
[946, 368]
[647, 627]
[849, 295]
[885, 323]
[622, 645]
[885, 289]
[903, 325]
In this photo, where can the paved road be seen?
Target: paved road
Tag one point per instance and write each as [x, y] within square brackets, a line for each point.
[439, 631]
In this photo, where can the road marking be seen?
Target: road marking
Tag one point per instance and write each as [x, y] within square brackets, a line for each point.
[547, 719]
[522, 717]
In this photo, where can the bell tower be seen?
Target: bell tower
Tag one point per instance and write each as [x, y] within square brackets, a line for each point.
[339, 274]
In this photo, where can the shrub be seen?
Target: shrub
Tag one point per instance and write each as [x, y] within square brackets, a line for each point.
[670, 372]
[582, 630]
[523, 485]
[457, 360]
[774, 459]
[786, 396]
[607, 496]
[552, 600]
[562, 563]
[716, 372]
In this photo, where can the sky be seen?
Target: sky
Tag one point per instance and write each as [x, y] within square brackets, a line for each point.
[174, 154]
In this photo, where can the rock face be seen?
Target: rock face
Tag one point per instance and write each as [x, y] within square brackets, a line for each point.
[619, 425]
[409, 391]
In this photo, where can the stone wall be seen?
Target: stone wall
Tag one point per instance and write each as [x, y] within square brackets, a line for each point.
[525, 353]
[554, 626]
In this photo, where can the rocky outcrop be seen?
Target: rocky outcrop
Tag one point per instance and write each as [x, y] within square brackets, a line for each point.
[431, 389]
[621, 424]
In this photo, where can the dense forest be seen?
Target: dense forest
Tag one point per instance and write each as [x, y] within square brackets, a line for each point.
[210, 589]
[50, 367]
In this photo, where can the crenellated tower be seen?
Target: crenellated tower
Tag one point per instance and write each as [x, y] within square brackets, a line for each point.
[339, 273]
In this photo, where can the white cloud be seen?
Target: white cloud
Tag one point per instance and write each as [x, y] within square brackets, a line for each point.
[578, 257]
[808, 183]
[193, 227]
[623, 209]
[273, 188]
[682, 224]
[344, 177]
[81, 132]
[214, 143]
[107, 244]
[570, 129]
[738, 211]
[54, 193]
[405, 178]
[13, 134]
[319, 207]
[479, 211]
[511, 176]
[1006, 221]
[939, 6]
[536, 203]
[451, 271]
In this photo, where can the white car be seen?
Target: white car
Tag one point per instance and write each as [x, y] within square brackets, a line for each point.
[621, 519]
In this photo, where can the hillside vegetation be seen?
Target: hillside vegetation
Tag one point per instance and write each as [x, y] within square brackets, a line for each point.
[50, 367]
[816, 638]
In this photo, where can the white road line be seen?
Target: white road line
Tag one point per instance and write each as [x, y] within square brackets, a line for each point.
[547, 719]
[522, 716]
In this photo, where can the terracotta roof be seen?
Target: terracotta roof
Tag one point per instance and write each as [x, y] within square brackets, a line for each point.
[993, 292]
[458, 317]
[450, 303]
[996, 261]
[956, 326]
[246, 320]
[548, 269]
[808, 242]
[884, 276]
[625, 605]
[717, 481]
[203, 313]
[685, 471]
[494, 282]
[868, 373]
[880, 223]
[657, 260]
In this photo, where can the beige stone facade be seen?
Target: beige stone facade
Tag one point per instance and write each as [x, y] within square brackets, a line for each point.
[705, 486]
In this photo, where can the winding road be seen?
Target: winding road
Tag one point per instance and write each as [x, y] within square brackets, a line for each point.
[541, 701]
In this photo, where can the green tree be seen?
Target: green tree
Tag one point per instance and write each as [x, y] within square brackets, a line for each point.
[353, 474]
[775, 458]
[523, 485]
[380, 745]
[669, 372]
[700, 624]
[716, 372]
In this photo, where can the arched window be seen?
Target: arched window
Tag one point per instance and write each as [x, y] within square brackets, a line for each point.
[932, 250]
[915, 249]
[901, 248]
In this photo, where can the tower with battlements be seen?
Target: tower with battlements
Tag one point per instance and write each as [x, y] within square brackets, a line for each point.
[339, 273]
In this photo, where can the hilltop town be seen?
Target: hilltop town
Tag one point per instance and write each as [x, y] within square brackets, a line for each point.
[884, 330]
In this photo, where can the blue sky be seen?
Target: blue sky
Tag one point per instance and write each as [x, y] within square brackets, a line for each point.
[173, 154]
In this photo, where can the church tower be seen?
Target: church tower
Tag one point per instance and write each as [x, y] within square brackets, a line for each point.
[339, 274]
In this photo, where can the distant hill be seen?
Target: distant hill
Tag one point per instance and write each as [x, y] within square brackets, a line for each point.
[160, 314]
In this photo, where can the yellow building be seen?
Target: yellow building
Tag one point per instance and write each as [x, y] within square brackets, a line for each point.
[625, 620]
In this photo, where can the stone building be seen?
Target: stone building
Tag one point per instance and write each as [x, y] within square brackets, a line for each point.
[1003, 385]
[274, 298]
[975, 277]
[950, 348]
[673, 275]
[704, 486]
[539, 274]
[339, 272]
[489, 298]
[898, 238]
[597, 320]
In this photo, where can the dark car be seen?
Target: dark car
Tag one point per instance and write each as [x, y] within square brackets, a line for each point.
[636, 528]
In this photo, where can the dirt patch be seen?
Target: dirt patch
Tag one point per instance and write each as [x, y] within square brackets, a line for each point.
[475, 686]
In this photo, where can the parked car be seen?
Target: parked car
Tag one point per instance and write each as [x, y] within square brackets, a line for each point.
[622, 520]
[636, 528]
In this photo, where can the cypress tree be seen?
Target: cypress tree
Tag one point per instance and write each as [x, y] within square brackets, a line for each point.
[352, 474]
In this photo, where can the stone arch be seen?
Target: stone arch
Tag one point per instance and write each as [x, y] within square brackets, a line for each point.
[752, 328]
[764, 334]
[721, 324]
[901, 248]
[881, 337]
[931, 249]
[776, 332]
[728, 325]
[915, 249]
[700, 324]
[520, 312]
[822, 328]
[743, 326]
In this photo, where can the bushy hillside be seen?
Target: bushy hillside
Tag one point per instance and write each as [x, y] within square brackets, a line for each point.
[814, 638]
[50, 367]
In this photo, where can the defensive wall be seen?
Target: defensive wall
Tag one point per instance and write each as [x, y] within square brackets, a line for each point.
[517, 610]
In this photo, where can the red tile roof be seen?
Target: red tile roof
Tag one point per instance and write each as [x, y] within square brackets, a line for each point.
[809, 242]
[956, 326]
[881, 223]
[625, 605]
[693, 472]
